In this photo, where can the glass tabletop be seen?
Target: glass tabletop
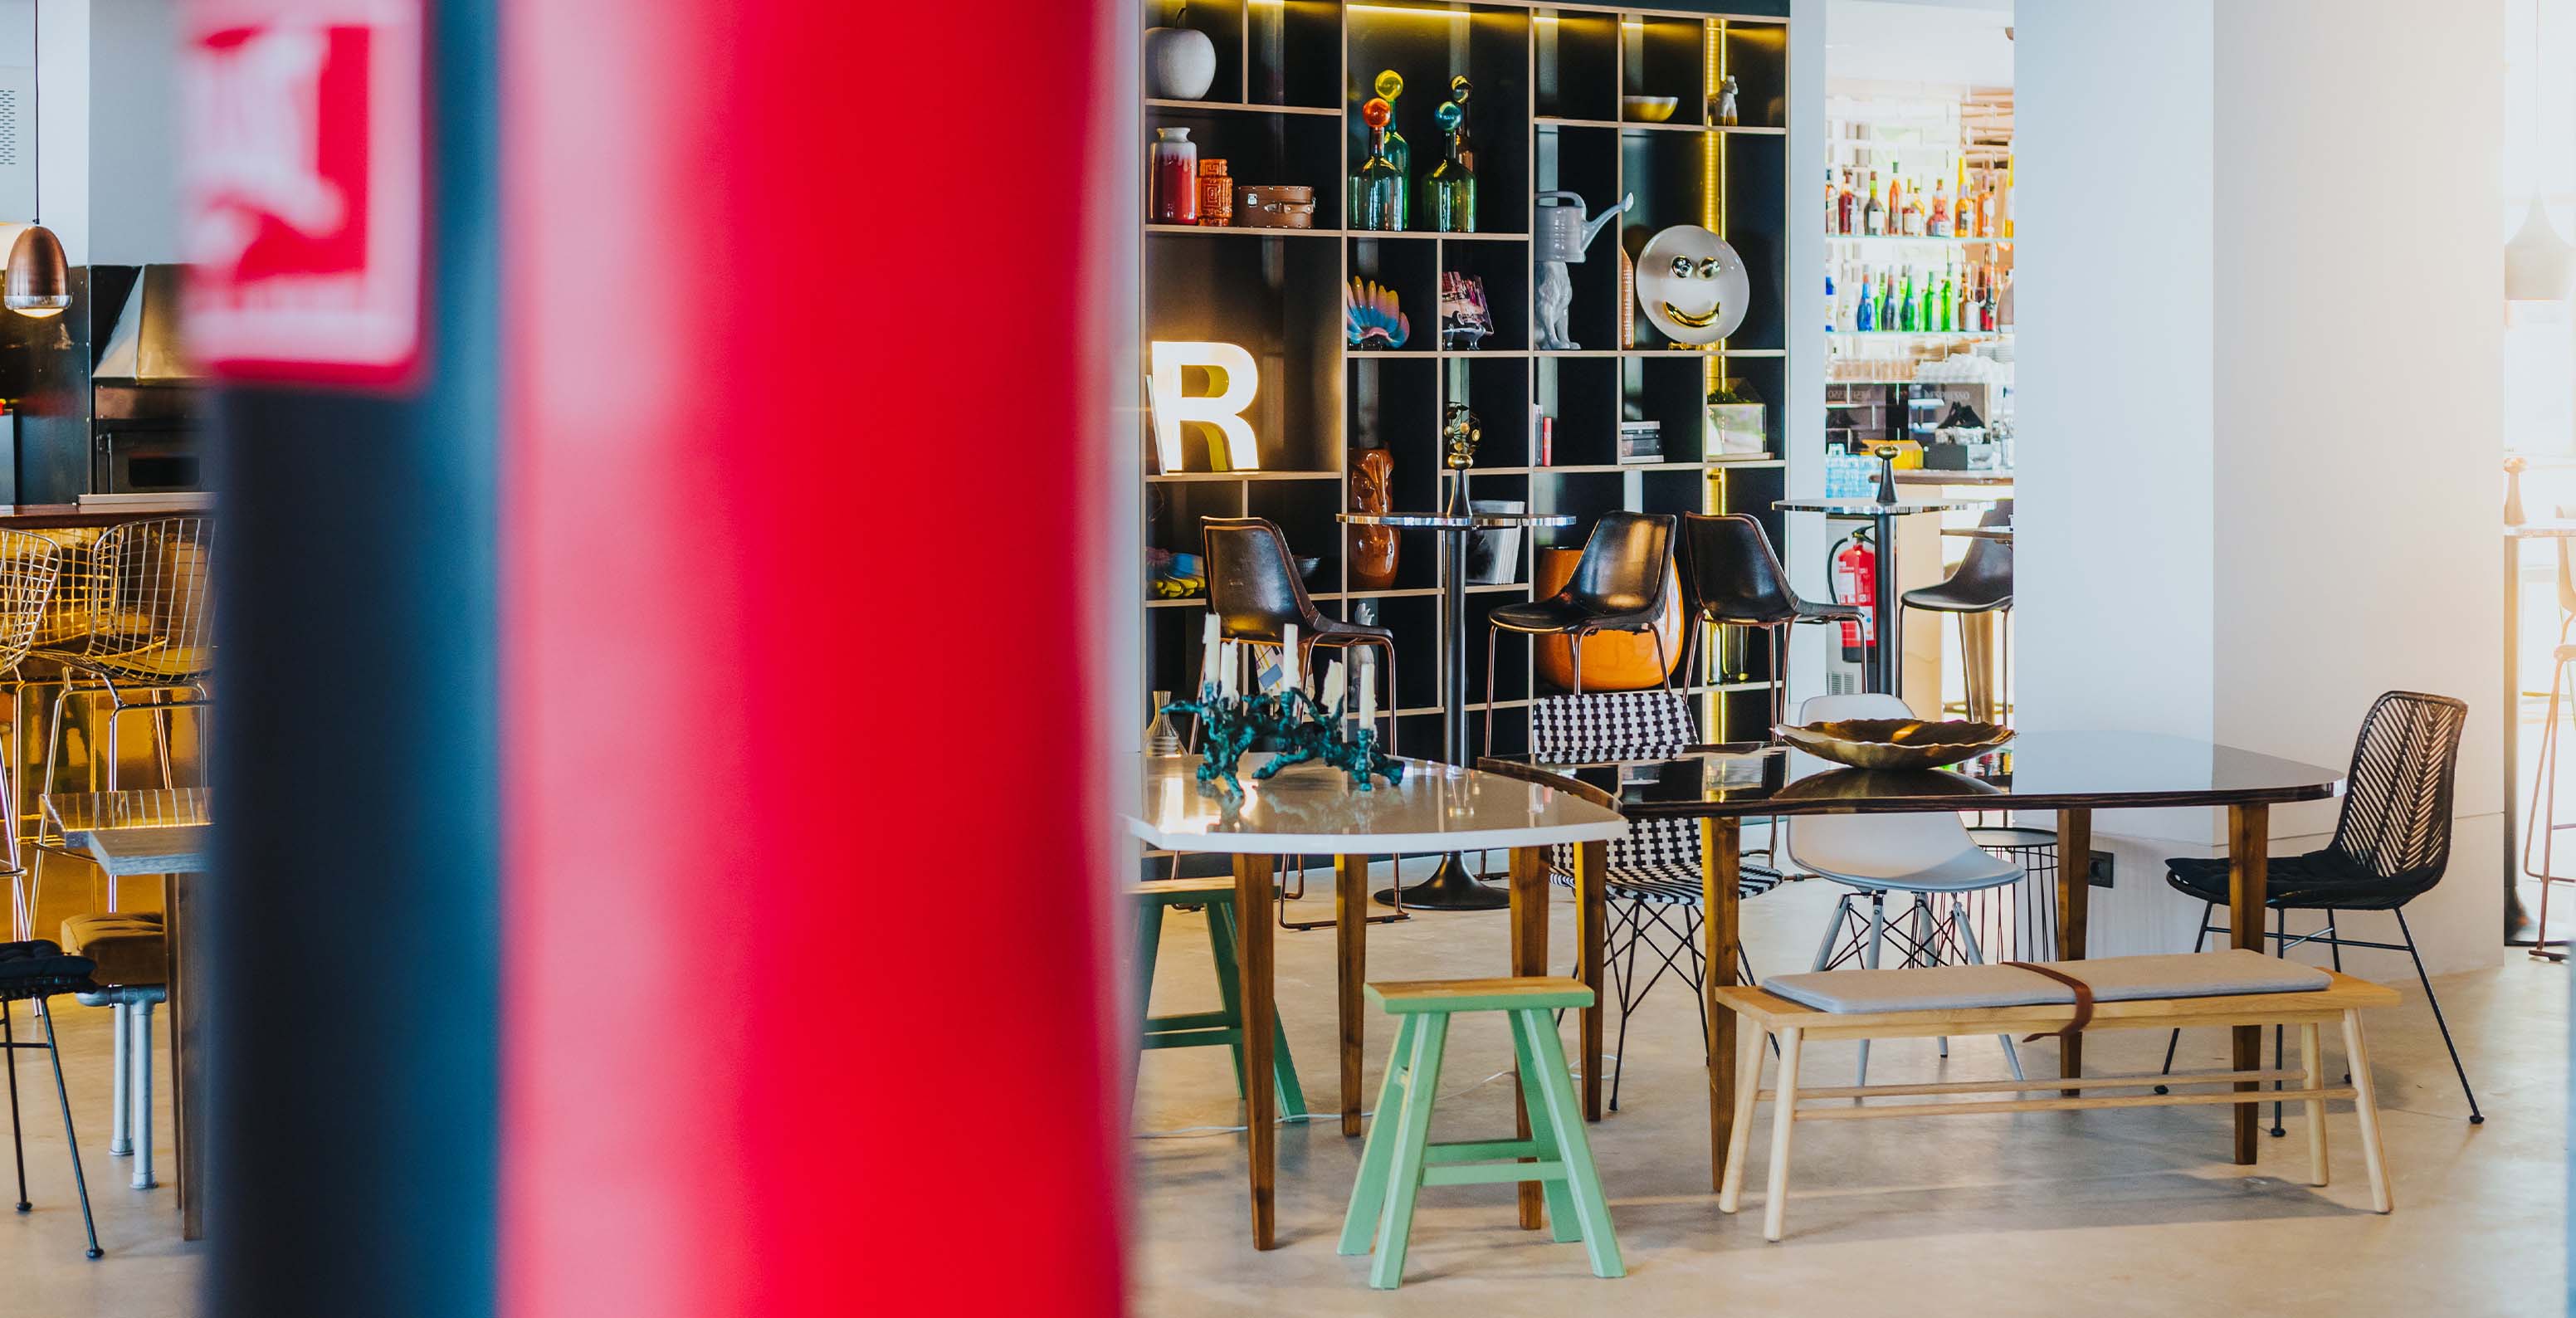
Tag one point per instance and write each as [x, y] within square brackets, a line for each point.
[1867, 507]
[2036, 771]
[90, 812]
[1449, 522]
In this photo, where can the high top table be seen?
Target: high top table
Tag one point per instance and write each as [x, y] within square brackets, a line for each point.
[165, 832]
[1451, 887]
[1313, 810]
[2072, 773]
[1886, 658]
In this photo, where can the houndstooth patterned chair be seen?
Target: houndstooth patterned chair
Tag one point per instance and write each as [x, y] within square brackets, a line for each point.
[1652, 889]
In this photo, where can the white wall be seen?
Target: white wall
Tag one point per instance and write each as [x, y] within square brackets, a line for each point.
[2257, 436]
[133, 131]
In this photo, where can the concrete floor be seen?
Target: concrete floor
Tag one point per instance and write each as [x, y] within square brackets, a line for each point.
[2109, 1212]
[148, 1272]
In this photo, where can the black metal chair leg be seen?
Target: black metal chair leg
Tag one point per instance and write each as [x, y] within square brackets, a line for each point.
[2476, 1118]
[2281, 941]
[2197, 943]
[80, 1181]
[17, 1141]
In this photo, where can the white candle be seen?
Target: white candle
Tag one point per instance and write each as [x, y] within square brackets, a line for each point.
[1207, 651]
[1333, 685]
[1228, 666]
[1288, 658]
[1368, 695]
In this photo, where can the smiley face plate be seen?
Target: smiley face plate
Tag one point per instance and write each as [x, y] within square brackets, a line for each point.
[1691, 285]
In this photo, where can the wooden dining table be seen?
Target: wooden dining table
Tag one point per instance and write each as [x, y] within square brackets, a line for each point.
[2070, 773]
[163, 832]
[1312, 810]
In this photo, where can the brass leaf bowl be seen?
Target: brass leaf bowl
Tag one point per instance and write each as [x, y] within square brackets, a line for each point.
[1895, 743]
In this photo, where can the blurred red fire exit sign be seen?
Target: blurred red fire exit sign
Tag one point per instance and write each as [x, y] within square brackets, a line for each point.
[303, 188]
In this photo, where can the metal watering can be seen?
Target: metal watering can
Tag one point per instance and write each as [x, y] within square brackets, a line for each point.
[1560, 233]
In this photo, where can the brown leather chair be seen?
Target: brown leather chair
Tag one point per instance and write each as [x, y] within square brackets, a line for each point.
[1617, 587]
[1254, 591]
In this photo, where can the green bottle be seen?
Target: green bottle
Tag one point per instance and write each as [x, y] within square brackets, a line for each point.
[1949, 298]
[1905, 304]
[1449, 190]
[1377, 190]
[1887, 302]
[1399, 155]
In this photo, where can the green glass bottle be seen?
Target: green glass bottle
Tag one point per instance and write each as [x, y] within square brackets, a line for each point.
[1905, 308]
[1945, 303]
[1377, 190]
[1886, 302]
[1449, 190]
[1399, 153]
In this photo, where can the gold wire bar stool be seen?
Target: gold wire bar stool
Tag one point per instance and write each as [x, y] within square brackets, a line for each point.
[150, 631]
[29, 565]
[62, 623]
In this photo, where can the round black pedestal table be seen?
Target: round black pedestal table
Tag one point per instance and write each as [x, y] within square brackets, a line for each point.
[1884, 669]
[1451, 887]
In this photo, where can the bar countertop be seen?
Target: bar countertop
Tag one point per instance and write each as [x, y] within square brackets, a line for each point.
[48, 516]
[1927, 476]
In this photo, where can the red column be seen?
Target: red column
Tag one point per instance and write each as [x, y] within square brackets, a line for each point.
[805, 981]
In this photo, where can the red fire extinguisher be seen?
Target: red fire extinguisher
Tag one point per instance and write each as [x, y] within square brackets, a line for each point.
[1856, 583]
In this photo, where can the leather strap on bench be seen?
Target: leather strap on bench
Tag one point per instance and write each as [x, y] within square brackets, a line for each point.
[2083, 1002]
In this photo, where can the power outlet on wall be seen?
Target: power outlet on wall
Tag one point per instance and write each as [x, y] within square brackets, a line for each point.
[2098, 870]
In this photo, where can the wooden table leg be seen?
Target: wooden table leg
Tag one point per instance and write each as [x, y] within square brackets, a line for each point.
[1350, 938]
[1260, 1015]
[1592, 908]
[187, 1083]
[1721, 861]
[2074, 913]
[1529, 957]
[2249, 835]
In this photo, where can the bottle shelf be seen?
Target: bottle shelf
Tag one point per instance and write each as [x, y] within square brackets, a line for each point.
[1237, 230]
[1894, 239]
[1639, 125]
[1242, 107]
[1189, 477]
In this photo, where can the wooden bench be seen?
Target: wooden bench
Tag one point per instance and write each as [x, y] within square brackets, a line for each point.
[1959, 989]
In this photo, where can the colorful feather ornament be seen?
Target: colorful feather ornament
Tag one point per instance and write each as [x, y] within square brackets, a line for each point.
[1369, 317]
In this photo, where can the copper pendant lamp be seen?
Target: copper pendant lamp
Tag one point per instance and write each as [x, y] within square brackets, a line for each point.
[38, 281]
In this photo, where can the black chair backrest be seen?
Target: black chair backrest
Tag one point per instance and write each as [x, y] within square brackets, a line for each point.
[2396, 820]
[1252, 579]
[1626, 562]
[1987, 567]
[1731, 572]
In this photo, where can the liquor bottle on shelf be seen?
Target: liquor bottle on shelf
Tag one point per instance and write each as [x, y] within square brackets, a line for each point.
[1873, 220]
[1849, 222]
[1377, 189]
[1865, 318]
[1905, 321]
[1911, 218]
[1947, 313]
[1449, 190]
[1399, 153]
[1937, 224]
[2004, 203]
[1896, 195]
[1887, 299]
[1833, 305]
[1833, 202]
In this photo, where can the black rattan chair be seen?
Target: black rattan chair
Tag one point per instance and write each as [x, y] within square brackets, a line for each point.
[1651, 892]
[35, 971]
[2390, 846]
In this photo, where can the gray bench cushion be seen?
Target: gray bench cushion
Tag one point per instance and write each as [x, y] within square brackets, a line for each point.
[2113, 979]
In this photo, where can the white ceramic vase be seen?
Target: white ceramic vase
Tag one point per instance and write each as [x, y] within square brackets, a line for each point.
[1180, 63]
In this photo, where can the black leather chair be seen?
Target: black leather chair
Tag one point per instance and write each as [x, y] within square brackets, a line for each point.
[2391, 845]
[1983, 584]
[1254, 591]
[1732, 577]
[1617, 587]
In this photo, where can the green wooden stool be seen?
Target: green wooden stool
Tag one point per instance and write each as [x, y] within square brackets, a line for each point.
[1399, 1159]
[1204, 1029]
